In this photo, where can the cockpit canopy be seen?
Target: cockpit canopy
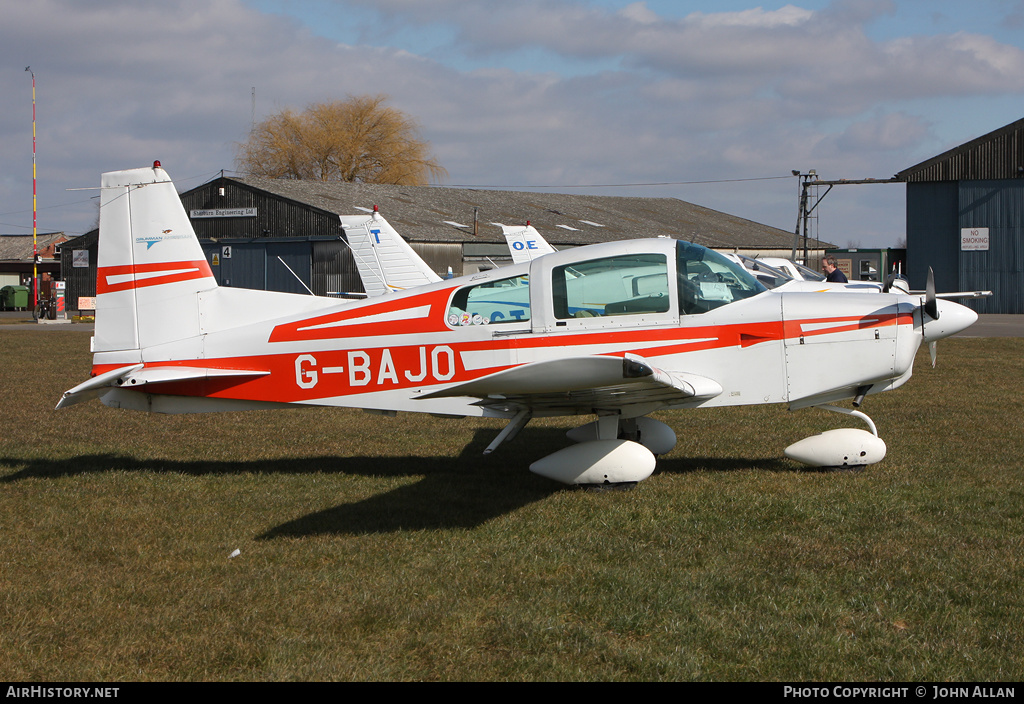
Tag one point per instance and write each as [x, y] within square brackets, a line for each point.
[708, 280]
[627, 281]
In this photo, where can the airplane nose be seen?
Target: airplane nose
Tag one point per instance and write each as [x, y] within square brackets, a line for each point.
[953, 318]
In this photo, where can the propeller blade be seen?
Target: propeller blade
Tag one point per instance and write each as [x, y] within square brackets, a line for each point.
[930, 306]
[933, 352]
[889, 281]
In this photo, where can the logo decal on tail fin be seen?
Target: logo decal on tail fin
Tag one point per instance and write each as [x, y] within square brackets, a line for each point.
[153, 239]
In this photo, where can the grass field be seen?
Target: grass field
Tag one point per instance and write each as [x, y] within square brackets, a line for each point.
[392, 549]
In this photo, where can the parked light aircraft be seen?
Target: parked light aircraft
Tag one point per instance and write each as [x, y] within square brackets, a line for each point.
[386, 263]
[793, 270]
[525, 243]
[615, 330]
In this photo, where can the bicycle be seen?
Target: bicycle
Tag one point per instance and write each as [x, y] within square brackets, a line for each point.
[46, 309]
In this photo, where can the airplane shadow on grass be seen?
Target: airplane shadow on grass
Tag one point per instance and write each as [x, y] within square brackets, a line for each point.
[464, 491]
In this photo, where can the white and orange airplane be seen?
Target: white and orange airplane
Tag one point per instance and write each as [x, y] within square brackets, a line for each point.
[615, 330]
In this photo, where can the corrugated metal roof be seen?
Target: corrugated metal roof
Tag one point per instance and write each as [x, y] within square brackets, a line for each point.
[19, 247]
[437, 214]
[993, 156]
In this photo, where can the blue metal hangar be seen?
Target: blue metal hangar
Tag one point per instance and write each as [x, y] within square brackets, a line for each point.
[965, 219]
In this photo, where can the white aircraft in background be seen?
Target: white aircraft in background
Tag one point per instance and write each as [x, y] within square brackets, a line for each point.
[615, 330]
[386, 263]
[525, 243]
[794, 270]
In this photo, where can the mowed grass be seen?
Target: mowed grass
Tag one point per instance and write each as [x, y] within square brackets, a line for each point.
[380, 548]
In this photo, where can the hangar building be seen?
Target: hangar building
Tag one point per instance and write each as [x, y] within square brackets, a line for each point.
[251, 227]
[965, 219]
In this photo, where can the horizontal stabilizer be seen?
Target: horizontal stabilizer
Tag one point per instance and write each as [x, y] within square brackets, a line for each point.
[163, 375]
[94, 387]
[136, 375]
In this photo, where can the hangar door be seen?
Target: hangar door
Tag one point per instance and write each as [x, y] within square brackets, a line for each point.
[324, 266]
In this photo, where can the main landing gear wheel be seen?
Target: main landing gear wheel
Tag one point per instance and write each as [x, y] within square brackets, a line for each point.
[598, 462]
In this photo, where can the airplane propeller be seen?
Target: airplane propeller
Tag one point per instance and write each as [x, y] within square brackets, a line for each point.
[931, 307]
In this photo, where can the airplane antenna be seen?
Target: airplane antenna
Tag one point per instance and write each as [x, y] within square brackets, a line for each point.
[296, 276]
[370, 268]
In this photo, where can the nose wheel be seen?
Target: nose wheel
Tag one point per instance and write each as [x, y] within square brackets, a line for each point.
[843, 447]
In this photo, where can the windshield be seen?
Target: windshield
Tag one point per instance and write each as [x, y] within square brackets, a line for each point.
[768, 275]
[491, 303]
[809, 274]
[708, 280]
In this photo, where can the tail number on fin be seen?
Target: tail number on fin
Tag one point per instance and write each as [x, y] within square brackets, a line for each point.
[364, 369]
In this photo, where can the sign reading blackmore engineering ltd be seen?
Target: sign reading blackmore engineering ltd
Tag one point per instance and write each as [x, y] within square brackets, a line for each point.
[974, 239]
[223, 213]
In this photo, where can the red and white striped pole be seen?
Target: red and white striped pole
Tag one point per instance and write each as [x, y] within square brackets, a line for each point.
[35, 248]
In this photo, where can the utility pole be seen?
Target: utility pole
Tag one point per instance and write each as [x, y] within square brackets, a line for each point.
[809, 180]
[803, 212]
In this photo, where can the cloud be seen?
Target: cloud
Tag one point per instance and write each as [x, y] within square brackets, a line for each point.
[792, 51]
[709, 95]
[888, 132]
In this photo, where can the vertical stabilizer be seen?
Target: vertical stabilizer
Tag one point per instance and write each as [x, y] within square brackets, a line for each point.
[525, 243]
[385, 261]
[151, 266]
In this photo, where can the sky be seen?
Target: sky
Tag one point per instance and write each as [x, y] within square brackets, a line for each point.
[713, 102]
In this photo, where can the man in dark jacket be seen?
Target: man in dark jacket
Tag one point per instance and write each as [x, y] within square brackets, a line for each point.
[832, 273]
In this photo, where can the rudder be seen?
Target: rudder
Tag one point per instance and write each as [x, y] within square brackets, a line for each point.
[150, 265]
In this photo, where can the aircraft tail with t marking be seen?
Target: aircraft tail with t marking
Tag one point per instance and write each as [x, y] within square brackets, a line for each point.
[385, 261]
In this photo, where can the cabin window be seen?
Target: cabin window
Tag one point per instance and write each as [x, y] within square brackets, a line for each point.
[708, 280]
[491, 303]
[631, 284]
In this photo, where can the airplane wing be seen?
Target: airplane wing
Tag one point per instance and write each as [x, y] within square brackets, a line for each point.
[963, 294]
[385, 261]
[525, 243]
[589, 383]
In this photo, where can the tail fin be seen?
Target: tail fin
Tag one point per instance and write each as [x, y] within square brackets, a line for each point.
[151, 266]
[385, 261]
[525, 243]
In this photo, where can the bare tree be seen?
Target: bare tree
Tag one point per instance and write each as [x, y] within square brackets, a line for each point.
[357, 139]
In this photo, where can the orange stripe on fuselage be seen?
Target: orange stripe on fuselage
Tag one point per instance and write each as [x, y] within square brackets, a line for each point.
[352, 321]
[363, 369]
